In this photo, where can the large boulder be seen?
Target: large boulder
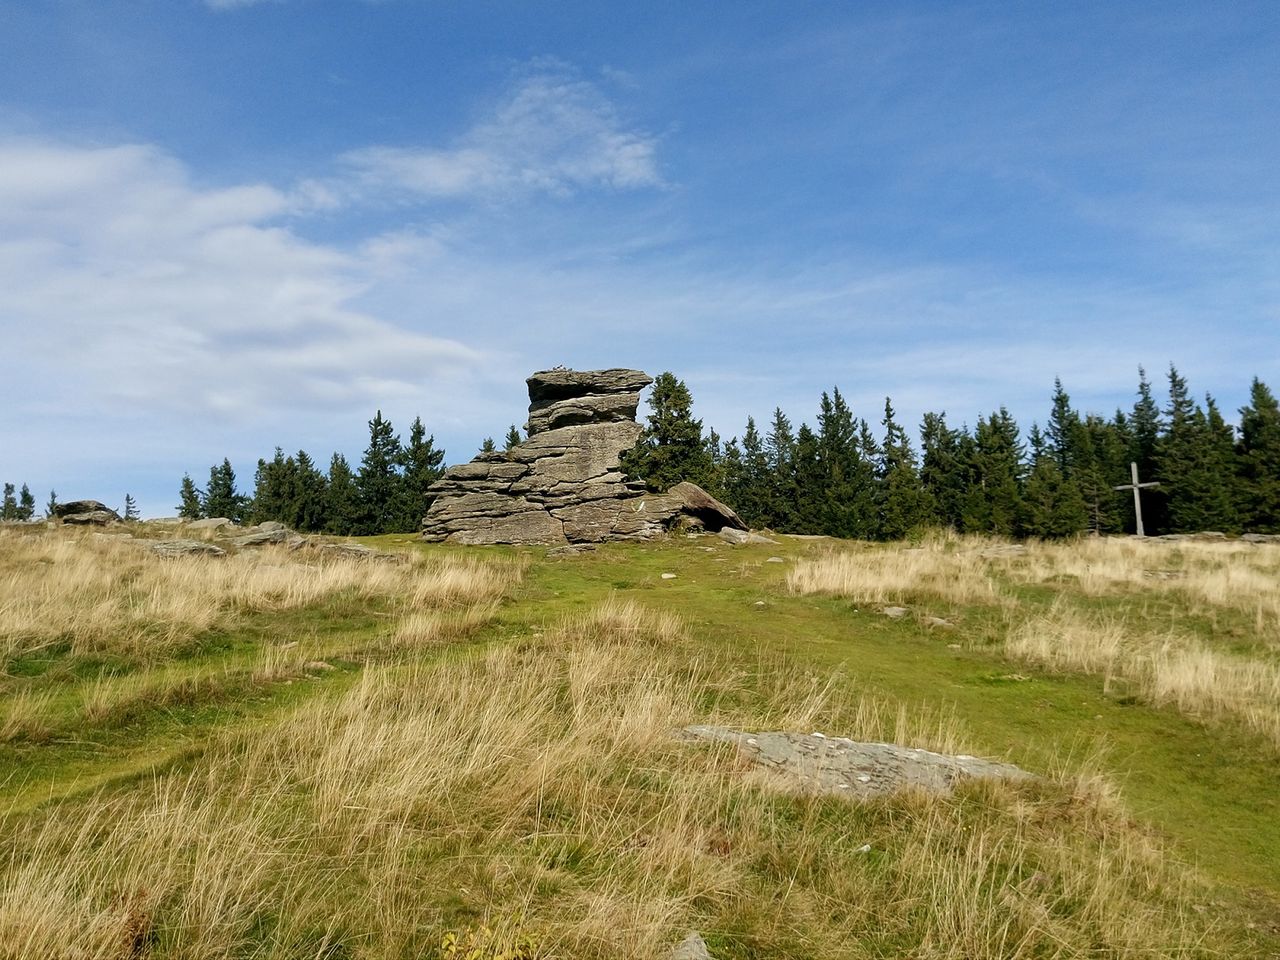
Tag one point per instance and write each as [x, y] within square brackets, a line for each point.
[83, 512]
[565, 484]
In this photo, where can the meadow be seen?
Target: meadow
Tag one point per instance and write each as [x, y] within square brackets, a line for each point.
[471, 751]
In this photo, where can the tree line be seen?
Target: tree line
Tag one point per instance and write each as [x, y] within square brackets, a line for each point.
[387, 493]
[846, 478]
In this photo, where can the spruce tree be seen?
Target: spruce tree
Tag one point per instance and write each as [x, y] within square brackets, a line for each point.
[9, 506]
[191, 499]
[221, 499]
[780, 455]
[1259, 460]
[942, 472]
[342, 498]
[992, 502]
[751, 498]
[513, 438]
[731, 473]
[1189, 472]
[308, 507]
[1221, 502]
[670, 448]
[52, 505]
[810, 483]
[904, 504]
[423, 465]
[131, 513]
[849, 508]
[378, 480]
[488, 445]
[26, 503]
[274, 484]
[1146, 425]
[1050, 507]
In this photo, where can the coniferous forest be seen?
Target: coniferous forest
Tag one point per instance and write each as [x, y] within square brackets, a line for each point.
[854, 477]
[848, 476]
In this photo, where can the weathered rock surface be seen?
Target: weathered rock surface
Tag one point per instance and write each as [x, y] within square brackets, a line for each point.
[692, 947]
[851, 768]
[83, 512]
[565, 483]
[211, 523]
[185, 548]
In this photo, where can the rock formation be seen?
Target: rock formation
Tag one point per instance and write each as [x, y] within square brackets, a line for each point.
[565, 483]
[82, 512]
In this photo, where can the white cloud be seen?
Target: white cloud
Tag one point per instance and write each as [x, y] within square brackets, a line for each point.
[554, 133]
[126, 291]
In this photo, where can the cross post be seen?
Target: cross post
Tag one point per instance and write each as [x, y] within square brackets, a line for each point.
[1135, 486]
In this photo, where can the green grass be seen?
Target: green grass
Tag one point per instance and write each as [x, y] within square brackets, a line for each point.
[1211, 788]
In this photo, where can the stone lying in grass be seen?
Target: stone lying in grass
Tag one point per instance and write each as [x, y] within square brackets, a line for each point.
[843, 766]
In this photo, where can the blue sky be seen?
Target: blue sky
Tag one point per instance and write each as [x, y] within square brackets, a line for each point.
[227, 225]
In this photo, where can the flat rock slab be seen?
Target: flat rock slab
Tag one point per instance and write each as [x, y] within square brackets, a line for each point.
[851, 768]
[185, 548]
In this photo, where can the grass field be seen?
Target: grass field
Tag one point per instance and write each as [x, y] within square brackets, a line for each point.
[469, 752]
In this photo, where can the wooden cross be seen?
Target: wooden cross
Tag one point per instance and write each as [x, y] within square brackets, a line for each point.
[1135, 486]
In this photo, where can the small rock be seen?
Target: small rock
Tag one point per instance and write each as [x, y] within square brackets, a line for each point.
[894, 613]
[320, 665]
[760, 603]
[775, 560]
[211, 523]
[954, 646]
[692, 947]
[668, 576]
[262, 538]
[865, 848]
[939, 623]
[186, 548]
[269, 525]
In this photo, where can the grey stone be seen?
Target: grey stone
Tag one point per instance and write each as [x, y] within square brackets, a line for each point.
[565, 483]
[211, 523]
[846, 767]
[894, 613]
[261, 538]
[775, 560]
[74, 508]
[98, 518]
[185, 548]
[269, 525]
[939, 623]
[692, 947]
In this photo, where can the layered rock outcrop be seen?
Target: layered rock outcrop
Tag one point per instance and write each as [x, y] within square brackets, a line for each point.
[565, 483]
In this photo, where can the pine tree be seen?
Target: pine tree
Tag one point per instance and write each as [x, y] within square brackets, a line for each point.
[670, 448]
[9, 506]
[1221, 504]
[1259, 460]
[378, 480]
[1050, 506]
[942, 472]
[751, 496]
[423, 465]
[274, 484]
[26, 503]
[1190, 472]
[992, 502]
[513, 438]
[342, 498]
[191, 500]
[904, 504]
[810, 481]
[1145, 428]
[52, 505]
[780, 456]
[848, 470]
[308, 507]
[221, 499]
[130, 509]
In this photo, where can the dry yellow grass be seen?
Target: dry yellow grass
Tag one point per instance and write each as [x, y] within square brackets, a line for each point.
[941, 567]
[102, 595]
[538, 788]
[1164, 668]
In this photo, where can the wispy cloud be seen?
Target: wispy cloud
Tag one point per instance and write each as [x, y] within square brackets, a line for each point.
[130, 294]
[553, 133]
